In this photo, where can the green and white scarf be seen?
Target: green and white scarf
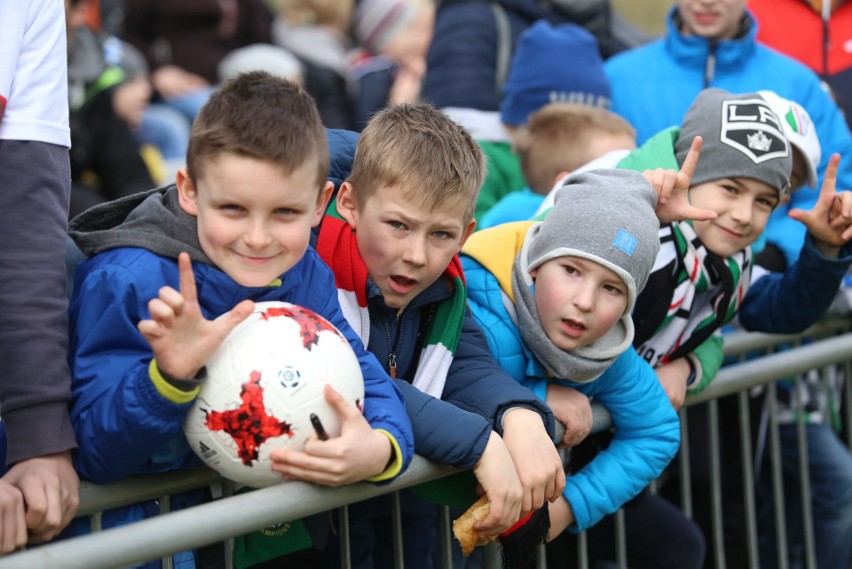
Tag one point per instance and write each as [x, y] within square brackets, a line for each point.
[336, 246]
[690, 294]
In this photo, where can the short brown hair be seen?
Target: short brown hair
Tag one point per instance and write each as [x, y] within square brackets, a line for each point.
[421, 150]
[258, 115]
[557, 137]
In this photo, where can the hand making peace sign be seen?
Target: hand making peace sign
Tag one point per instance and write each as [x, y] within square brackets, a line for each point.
[673, 189]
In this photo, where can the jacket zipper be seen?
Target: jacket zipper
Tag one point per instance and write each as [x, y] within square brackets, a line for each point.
[710, 66]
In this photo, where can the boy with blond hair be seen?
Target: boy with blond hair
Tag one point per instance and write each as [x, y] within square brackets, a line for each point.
[559, 138]
[392, 237]
[172, 271]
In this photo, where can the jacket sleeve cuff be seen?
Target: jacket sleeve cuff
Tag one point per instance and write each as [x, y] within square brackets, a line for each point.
[395, 465]
[167, 390]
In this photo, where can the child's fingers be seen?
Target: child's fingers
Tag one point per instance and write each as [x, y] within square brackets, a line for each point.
[699, 214]
[344, 408]
[799, 215]
[162, 312]
[495, 522]
[150, 329]
[187, 278]
[173, 299]
[689, 163]
[829, 181]
[229, 320]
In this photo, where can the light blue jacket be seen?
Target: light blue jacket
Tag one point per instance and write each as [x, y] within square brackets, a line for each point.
[647, 430]
[654, 85]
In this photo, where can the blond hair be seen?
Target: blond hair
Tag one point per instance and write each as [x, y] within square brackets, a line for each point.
[557, 139]
[423, 153]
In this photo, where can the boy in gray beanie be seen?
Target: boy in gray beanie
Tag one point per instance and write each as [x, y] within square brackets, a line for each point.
[703, 271]
[553, 299]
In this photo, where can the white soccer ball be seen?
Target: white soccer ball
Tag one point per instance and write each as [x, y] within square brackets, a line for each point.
[262, 386]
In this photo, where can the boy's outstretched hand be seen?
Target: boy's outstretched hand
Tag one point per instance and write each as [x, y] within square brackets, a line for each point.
[180, 336]
[673, 189]
[830, 220]
[357, 454]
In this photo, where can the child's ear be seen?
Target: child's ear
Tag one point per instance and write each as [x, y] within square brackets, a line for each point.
[346, 204]
[322, 202]
[187, 196]
[467, 233]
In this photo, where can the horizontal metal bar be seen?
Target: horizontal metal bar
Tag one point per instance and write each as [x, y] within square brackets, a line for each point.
[210, 523]
[775, 366]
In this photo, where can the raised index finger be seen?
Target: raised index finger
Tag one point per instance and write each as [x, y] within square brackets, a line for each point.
[829, 181]
[689, 163]
[186, 278]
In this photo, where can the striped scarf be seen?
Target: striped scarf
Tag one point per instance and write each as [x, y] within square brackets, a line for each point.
[690, 294]
[337, 246]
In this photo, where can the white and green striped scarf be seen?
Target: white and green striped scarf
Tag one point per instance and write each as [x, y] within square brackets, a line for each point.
[690, 294]
[336, 246]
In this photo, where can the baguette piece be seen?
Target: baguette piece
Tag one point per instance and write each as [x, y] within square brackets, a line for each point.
[463, 526]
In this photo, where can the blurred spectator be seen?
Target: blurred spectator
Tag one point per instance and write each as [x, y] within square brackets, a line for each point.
[184, 41]
[107, 99]
[553, 63]
[315, 31]
[713, 44]
[475, 39]
[560, 138]
[388, 68]
[821, 40]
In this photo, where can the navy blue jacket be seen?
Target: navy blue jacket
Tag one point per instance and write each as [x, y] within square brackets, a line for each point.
[455, 429]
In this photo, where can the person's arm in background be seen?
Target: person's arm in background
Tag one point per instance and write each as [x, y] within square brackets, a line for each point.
[40, 492]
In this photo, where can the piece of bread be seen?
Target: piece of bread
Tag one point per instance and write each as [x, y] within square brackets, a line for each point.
[463, 527]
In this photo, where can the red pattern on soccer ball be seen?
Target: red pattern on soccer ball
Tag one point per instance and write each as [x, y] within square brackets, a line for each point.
[310, 323]
[249, 425]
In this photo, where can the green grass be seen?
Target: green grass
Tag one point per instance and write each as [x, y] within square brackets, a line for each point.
[647, 15]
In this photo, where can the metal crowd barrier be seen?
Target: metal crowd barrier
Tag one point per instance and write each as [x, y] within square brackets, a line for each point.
[828, 344]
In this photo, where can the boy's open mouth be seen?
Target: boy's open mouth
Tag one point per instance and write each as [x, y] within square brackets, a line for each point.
[573, 327]
[404, 281]
[401, 284]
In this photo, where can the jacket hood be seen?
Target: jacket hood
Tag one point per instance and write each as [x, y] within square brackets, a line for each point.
[152, 220]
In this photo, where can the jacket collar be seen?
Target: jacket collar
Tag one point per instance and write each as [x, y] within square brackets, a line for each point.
[693, 52]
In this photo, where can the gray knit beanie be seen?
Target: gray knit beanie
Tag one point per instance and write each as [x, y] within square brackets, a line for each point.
[743, 138]
[606, 216]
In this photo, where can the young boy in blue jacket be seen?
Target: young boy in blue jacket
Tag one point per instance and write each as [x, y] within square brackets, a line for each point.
[392, 237]
[554, 300]
[172, 271]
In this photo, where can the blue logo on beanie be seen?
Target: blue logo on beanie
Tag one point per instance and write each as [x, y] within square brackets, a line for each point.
[625, 242]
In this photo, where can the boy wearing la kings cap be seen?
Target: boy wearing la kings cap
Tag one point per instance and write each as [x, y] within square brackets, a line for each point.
[702, 275]
[554, 299]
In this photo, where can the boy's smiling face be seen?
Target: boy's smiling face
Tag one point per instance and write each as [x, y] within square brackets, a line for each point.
[405, 245]
[743, 206]
[254, 222]
[578, 300]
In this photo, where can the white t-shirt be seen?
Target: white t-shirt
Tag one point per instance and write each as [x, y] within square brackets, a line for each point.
[34, 71]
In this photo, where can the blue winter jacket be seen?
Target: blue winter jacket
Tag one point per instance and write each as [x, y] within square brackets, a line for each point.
[647, 430]
[124, 425]
[654, 85]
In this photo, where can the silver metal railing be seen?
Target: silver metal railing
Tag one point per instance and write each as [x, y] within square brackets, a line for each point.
[230, 516]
